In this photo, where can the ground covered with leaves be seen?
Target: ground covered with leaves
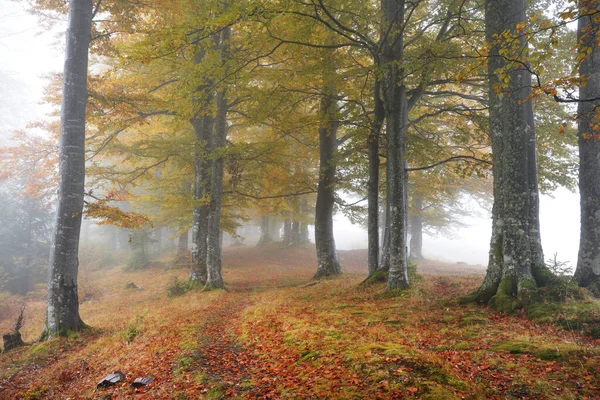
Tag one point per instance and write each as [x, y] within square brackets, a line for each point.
[271, 336]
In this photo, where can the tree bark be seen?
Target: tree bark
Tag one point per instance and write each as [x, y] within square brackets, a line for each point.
[384, 260]
[214, 261]
[588, 262]
[182, 245]
[327, 261]
[265, 231]
[203, 131]
[303, 234]
[373, 185]
[416, 230]
[516, 259]
[62, 306]
[396, 115]
[287, 232]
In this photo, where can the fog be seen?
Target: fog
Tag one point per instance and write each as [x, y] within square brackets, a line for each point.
[29, 53]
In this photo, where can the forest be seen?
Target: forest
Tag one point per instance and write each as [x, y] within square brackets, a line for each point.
[167, 231]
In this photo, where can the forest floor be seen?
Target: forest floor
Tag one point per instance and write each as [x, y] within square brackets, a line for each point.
[271, 336]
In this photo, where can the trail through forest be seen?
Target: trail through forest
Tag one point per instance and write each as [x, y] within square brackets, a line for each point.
[272, 336]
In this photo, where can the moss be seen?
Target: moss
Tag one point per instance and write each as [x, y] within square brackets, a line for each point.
[217, 392]
[548, 354]
[541, 311]
[544, 351]
[473, 317]
[504, 300]
[434, 392]
[376, 277]
[515, 346]
[310, 355]
[480, 296]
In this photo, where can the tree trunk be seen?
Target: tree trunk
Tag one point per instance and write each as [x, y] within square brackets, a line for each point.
[516, 258]
[304, 234]
[327, 261]
[384, 260]
[214, 262]
[265, 232]
[62, 307]
[274, 228]
[373, 186]
[287, 232]
[203, 131]
[396, 115]
[158, 239]
[182, 245]
[416, 230]
[588, 263]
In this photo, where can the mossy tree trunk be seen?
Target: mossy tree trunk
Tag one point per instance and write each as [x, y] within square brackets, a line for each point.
[588, 262]
[516, 264]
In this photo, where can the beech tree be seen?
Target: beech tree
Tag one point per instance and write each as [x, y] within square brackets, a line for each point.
[516, 264]
[588, 262]
[62, 306]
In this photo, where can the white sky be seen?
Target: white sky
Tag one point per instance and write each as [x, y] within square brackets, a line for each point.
[28, 52]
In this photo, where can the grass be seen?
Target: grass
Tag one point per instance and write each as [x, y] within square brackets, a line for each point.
[269, 335]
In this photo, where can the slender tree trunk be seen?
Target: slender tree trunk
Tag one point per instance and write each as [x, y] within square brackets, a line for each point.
[384, 261]
[588, 263]
[516, 259]
[182, 244]
[265, 231]
[62, 306]
[203, 131]
[158, 239]
[287, 232]
[274, 228]
[214, 261]
[203, 125]
[416, 230]
[327, 261]
[304, 234]
[296, 239]
[373, 186]
[396, 116]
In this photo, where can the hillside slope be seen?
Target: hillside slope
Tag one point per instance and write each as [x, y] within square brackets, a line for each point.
[271, 336]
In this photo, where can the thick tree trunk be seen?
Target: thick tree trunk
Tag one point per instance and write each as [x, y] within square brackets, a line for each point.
[588, 263]
[396, 115]
[214, 261]
[416, 230]
[62, 307]
[327, 261]
[182, 244]
[373, 186]
[516, 259]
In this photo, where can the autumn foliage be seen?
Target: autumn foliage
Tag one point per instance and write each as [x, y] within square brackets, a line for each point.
[271, 336]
